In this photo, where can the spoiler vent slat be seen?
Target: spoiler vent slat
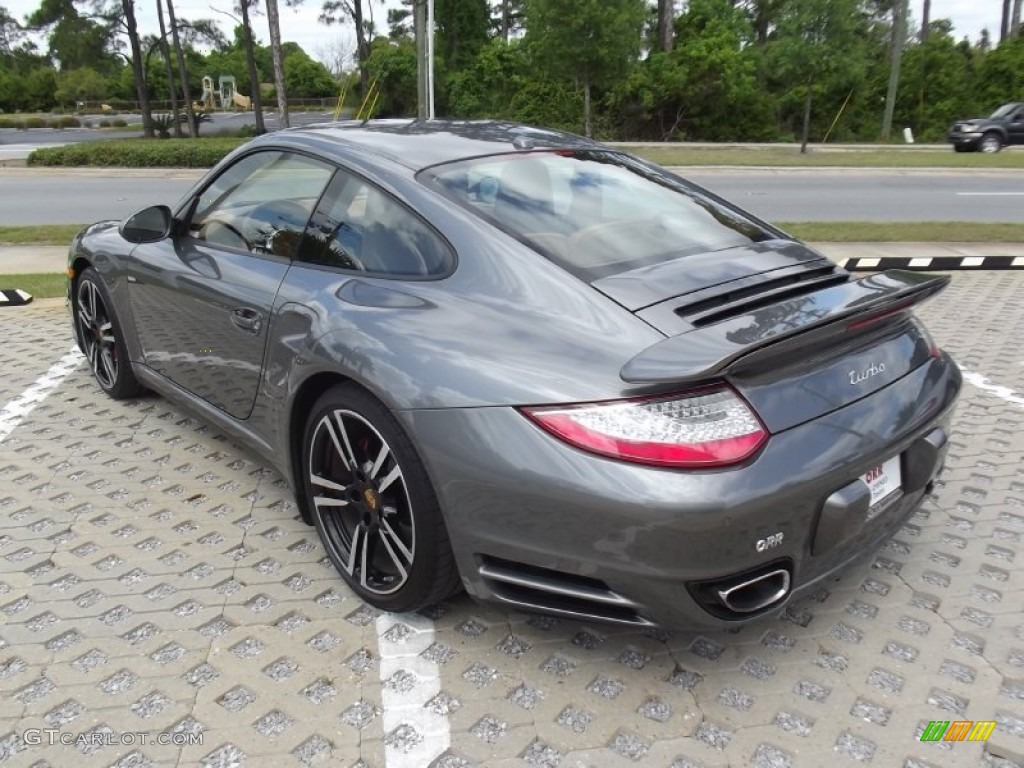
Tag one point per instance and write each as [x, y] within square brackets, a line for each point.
[738, 302]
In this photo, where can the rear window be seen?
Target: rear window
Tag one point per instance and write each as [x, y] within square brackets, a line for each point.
[594, 213]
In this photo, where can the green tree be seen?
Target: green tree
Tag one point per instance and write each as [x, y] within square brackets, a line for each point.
[392, 63]
[10, 32]
[816, 42]
[305, 78]
[82, 84]
[590, 41]
[463, 28]
[938, 82]
[75, 40]
[507, 18]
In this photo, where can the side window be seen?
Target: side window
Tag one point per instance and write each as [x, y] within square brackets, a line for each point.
[261, 203]
[360, 227]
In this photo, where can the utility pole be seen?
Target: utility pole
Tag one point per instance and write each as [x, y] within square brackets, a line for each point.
[430, 59]
[419, 23]
[899, 36]
[423, 27]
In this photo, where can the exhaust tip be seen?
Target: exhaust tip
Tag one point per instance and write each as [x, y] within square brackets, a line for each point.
[757, 593]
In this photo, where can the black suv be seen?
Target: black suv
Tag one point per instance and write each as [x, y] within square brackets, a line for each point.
[1003, 127]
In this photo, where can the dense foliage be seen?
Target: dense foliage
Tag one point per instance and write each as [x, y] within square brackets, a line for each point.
[730, 70]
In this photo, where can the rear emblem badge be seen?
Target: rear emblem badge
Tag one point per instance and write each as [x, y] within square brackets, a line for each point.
[856, 377]
[769, 542]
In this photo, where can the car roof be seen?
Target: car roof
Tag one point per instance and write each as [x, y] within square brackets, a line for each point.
[418, 144]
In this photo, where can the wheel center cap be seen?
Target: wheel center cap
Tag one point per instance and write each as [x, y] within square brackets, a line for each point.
[371, 499]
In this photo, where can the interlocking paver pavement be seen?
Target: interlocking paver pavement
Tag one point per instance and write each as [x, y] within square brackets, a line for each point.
[155, 578]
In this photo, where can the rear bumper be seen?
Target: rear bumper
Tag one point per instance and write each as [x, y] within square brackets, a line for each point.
[536, 524]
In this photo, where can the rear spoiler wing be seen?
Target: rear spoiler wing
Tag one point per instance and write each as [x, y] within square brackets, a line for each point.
[781, 328]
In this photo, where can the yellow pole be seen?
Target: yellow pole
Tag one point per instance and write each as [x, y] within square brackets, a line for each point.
[341, 97]
[838, 115]
[366, 99]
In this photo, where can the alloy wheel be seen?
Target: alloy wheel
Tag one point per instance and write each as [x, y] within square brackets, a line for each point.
[97, 333]
[991, 143]
[360, 495]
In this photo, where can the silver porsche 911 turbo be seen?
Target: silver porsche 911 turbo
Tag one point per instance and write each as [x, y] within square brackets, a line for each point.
[513, 361]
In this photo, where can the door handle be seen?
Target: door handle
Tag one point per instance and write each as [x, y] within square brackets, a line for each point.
[247, 318]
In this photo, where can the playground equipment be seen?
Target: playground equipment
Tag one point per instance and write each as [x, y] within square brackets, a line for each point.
[225, 96]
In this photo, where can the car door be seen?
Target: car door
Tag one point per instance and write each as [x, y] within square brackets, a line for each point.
[202, 299]
[1015, 128]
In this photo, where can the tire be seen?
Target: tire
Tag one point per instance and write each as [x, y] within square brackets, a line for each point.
[101, 338]
[962, 148]
[990, 143]
[380, 523]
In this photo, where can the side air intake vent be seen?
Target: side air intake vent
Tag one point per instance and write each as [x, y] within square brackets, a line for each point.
[541, 589]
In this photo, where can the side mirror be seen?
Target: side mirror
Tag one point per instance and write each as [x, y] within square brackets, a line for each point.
[149, 225]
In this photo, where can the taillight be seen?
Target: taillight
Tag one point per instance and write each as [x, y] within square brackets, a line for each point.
[711, 427]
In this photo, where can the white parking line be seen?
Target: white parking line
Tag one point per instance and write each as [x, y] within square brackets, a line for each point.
[990, 194]
[15, 411]
[1003, 393]
[414, 735]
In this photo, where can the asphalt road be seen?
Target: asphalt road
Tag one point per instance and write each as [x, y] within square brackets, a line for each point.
[856, 195]
[55, 197]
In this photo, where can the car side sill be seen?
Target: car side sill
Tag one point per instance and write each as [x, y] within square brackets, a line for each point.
[182, 397]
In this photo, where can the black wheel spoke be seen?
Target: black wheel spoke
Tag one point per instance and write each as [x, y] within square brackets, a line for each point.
[396, 548]
[345, 449]
[391, 477]
[356, 550]
[382, 456]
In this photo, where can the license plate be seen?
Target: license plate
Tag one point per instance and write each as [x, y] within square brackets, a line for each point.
[884, 482]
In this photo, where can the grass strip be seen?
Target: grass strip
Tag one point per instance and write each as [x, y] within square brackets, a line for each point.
[39, 234]
[905, 231]
[40, 285]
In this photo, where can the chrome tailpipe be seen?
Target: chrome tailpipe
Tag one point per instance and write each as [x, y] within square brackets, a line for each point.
[757, 593]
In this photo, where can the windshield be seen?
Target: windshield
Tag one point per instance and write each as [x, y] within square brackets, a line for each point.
[594, 213]
[1004, 111]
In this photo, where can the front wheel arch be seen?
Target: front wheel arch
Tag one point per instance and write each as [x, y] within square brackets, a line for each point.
[302, 402]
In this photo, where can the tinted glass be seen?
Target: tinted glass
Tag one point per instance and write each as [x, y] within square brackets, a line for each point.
[1004, 111]
[594, 213]
[261, 203]
[360, 227]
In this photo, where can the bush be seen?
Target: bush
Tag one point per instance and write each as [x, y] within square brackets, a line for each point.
[35, 122]
[66, 122]
[10, 122]
[247, 131]
[104, 123]
[138, 153]
[119, 123]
